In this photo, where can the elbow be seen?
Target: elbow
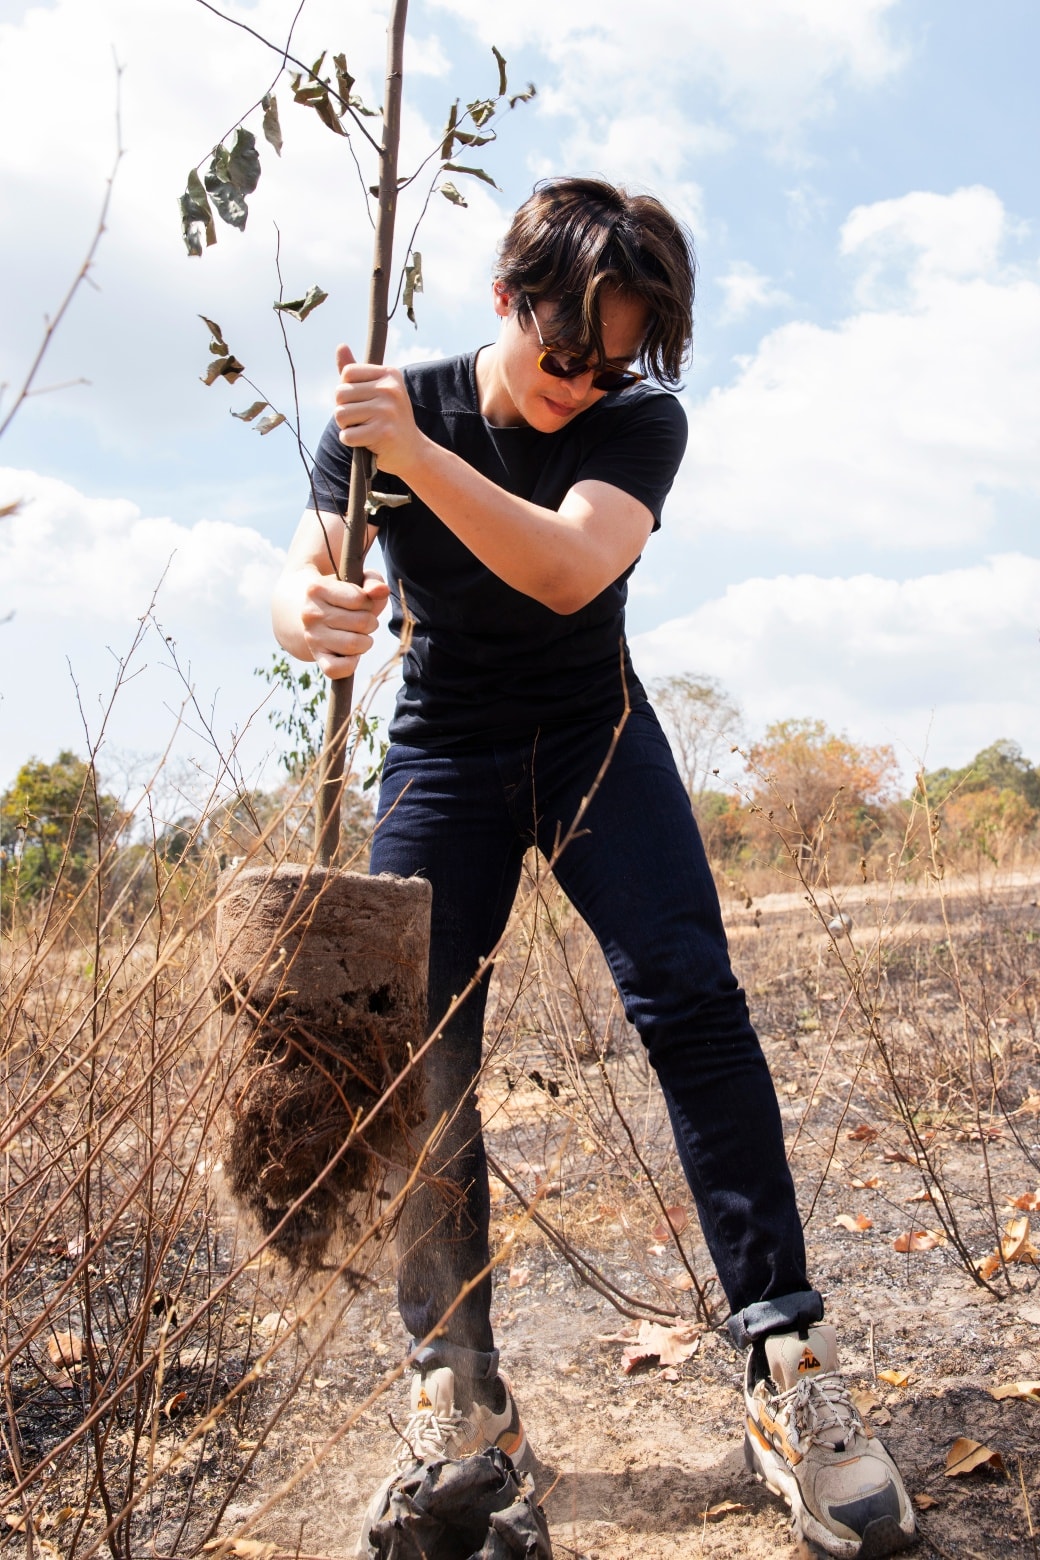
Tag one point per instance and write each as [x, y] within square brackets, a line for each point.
[565, 597]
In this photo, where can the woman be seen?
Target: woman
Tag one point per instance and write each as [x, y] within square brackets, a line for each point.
[536, 470]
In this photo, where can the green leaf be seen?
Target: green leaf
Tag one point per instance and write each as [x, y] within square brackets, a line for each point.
[369, 113]
[266, 424]
[503, 85]
[227, 368]
[529, 92]
[481, 111]
[196, 216]
[251, 411]
[244, 162]
[376, 501]
[272, 127]
[344, 80]
[451, 193]
[218, 344]
[476, 173]
[299, 308]
[413, 283]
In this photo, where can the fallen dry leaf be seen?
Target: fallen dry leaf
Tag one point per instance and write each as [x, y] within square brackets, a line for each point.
[65, 1348]
[1031, 1105]
[924, 1195]
[925, 1502]
[175, 1405]
[988, 1265]
[864, 1400]
[668, 1374]
[721, 1509]
[856, 1223]
[1028, 1391]
[871, 1183]
[275, 1322]
[668, 1345]
[895, 1156]
[1029, 1202]
[678, 1218]
[242, 1548]
[863, 1134]
[683, 1283]
[966, 1455]
[519, 1276]
[1015, 1239]
[918, 1240]
[895, 1378]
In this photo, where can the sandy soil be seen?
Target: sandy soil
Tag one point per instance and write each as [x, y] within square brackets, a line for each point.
[632, 1465]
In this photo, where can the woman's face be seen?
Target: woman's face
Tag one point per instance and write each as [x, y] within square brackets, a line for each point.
[514, 390]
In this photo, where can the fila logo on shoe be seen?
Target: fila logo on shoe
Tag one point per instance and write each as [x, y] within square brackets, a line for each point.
[808, 1362]
[424, 1401]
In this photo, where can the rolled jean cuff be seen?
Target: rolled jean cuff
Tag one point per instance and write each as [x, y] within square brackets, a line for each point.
[470, 1364]
[786, 1313]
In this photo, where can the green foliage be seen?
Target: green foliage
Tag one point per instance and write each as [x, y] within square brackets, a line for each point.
[53, 822]
[303, 721]
[1000, 767]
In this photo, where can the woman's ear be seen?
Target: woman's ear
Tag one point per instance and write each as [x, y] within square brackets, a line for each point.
[500, 299]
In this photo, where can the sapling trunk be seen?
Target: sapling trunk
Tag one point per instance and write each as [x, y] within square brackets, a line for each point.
[351, 566]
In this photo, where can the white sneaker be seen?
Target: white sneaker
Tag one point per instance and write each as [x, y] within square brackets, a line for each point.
[805, 1439]
[437, 1430]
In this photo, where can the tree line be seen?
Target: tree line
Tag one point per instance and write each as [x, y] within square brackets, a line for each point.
[799, 790]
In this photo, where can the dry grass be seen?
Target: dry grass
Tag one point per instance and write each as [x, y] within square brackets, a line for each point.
[143, 1367]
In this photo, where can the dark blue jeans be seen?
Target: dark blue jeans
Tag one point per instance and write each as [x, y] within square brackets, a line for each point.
[637, 873]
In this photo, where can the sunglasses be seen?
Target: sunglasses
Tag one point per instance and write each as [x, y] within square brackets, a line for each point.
[558, 363]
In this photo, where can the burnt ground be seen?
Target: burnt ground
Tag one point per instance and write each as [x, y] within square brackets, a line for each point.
[633, 1464]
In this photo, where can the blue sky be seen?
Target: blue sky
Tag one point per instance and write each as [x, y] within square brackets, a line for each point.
[854, 533]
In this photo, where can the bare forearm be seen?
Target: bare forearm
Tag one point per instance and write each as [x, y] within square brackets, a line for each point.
[563, 558]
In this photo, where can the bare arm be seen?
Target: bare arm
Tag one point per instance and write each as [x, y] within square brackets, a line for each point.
[317, 617]
[563, 558]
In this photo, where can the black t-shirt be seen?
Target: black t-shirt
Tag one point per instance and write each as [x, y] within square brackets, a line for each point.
[487, 663]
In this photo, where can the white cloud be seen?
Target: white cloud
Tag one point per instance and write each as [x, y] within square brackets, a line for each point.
[744, 288]
[924, 237]
[99, 560]
[951, 658]
[772, 63]
[897, 427]
[79, 573]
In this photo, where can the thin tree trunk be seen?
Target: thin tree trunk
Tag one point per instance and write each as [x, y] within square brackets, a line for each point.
[330, 790]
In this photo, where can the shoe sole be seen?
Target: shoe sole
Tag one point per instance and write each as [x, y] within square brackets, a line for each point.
[882, 1537]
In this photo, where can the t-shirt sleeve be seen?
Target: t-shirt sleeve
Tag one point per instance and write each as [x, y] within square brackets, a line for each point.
[643, 452]
[330, 479]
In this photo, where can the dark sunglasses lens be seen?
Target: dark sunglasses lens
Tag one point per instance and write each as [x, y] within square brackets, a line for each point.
[614, 379]
[560, 365]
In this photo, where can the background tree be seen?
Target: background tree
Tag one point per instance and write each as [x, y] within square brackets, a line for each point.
[1000, 767]
[54, 820]
[702, 722]
[819, 790]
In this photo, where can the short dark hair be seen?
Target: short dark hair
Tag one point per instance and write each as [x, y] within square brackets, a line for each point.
[573, 236]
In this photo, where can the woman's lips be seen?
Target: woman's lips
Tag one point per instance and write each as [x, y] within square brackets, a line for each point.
[559, 408]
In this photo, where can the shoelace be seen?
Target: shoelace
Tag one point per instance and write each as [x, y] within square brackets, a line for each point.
[821, 1410]
[425, 1437]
